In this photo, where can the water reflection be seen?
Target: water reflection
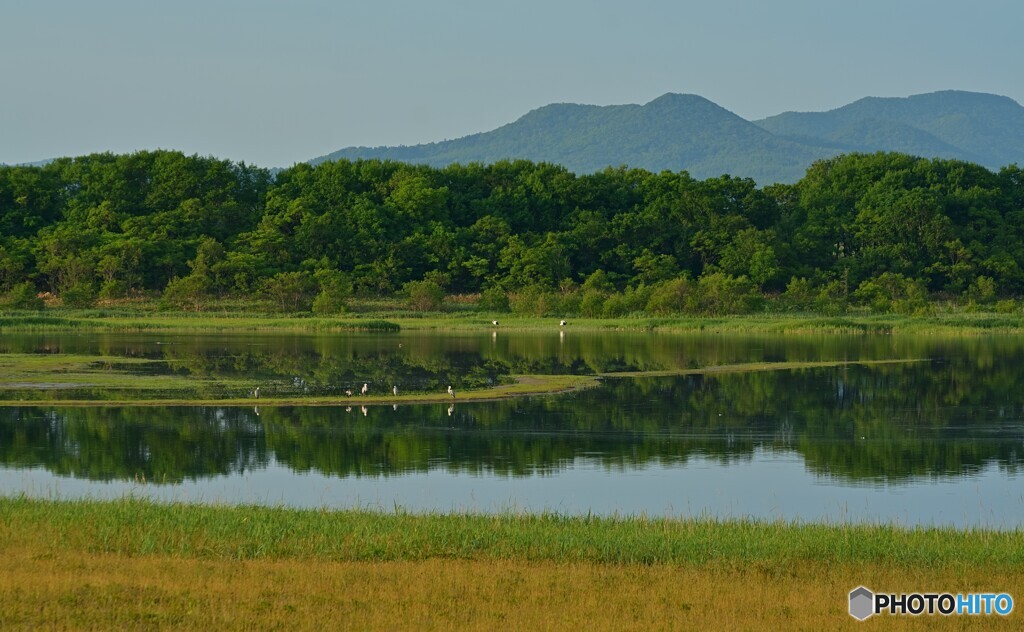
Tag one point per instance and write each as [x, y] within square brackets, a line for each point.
[897, 423]
[316, 365]
[949, 428]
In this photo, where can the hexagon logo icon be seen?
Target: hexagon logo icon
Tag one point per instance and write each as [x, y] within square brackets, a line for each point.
[862, 602]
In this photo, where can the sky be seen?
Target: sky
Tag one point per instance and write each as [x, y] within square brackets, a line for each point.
[277, 82]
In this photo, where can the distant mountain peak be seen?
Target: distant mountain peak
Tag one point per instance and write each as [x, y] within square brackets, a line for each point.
[679, 131]
[679, 98]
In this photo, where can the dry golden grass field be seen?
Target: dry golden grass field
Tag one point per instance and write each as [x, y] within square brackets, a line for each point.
[76, 590]
[136, 565]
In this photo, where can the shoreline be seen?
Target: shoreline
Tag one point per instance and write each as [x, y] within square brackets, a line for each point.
[259, 531]
[524, 386]
[136, 321]
[131, 564]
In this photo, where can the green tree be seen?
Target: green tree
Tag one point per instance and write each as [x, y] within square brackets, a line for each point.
[23, 296]
[187, 293]
[335, 289]
[425, 295]
[290, 291]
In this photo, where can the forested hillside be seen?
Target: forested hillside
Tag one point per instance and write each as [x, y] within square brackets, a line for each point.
[678, 132]
[674, 132]
[882, 230]
[983, 128]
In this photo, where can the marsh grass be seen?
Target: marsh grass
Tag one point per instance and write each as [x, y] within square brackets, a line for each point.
[385, 317]
[140, 527]
[102, 320]
[137, 564]
[119, 381]
[68, 380]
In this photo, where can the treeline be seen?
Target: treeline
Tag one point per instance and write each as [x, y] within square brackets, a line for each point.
[887, 232]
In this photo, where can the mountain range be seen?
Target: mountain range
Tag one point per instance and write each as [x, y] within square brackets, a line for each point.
[680, 132]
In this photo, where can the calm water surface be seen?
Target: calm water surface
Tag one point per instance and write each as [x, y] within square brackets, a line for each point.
[934, 441]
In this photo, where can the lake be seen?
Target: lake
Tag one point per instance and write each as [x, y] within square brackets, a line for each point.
[936, 439]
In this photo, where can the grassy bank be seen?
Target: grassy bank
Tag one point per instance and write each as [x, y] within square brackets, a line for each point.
[124, 319]
[133, 563]
[127, 390]
[139, 527]
[58, 379]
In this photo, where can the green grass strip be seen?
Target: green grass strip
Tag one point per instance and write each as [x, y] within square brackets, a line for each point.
[140, 527]
[524, 386]
[951, 323]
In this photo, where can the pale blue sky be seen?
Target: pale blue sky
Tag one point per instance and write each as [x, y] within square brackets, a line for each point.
[278, 82]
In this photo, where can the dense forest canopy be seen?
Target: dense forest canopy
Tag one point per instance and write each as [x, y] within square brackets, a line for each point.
[885, 230]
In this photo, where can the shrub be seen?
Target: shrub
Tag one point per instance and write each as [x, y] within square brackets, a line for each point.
[1006, 306]
[533, 301]
[719, 293]
[23, 296]
[799, 295]
[831, 299]
[327, 303]
[569, 303]
[424, 296]
[335, 290]
[114, 288]
[290, 291]
[893, 292]
[187, 293]
[614, 306]
[78, 295]
[982, 290]
[669, 297]
[493, 299]
[592, 303]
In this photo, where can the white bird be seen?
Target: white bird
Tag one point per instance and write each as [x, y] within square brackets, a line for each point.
[561, 323]
[494, 322]
[256, 393]
[365, 389]
[450, 391]
[394, 389]
[348, 392]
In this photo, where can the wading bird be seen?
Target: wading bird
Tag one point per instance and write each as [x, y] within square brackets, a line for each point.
[256, 393]
[348, 392]
[365, 389]
[394, 389]
[450, 391]
[561, 323]
[494, 322]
